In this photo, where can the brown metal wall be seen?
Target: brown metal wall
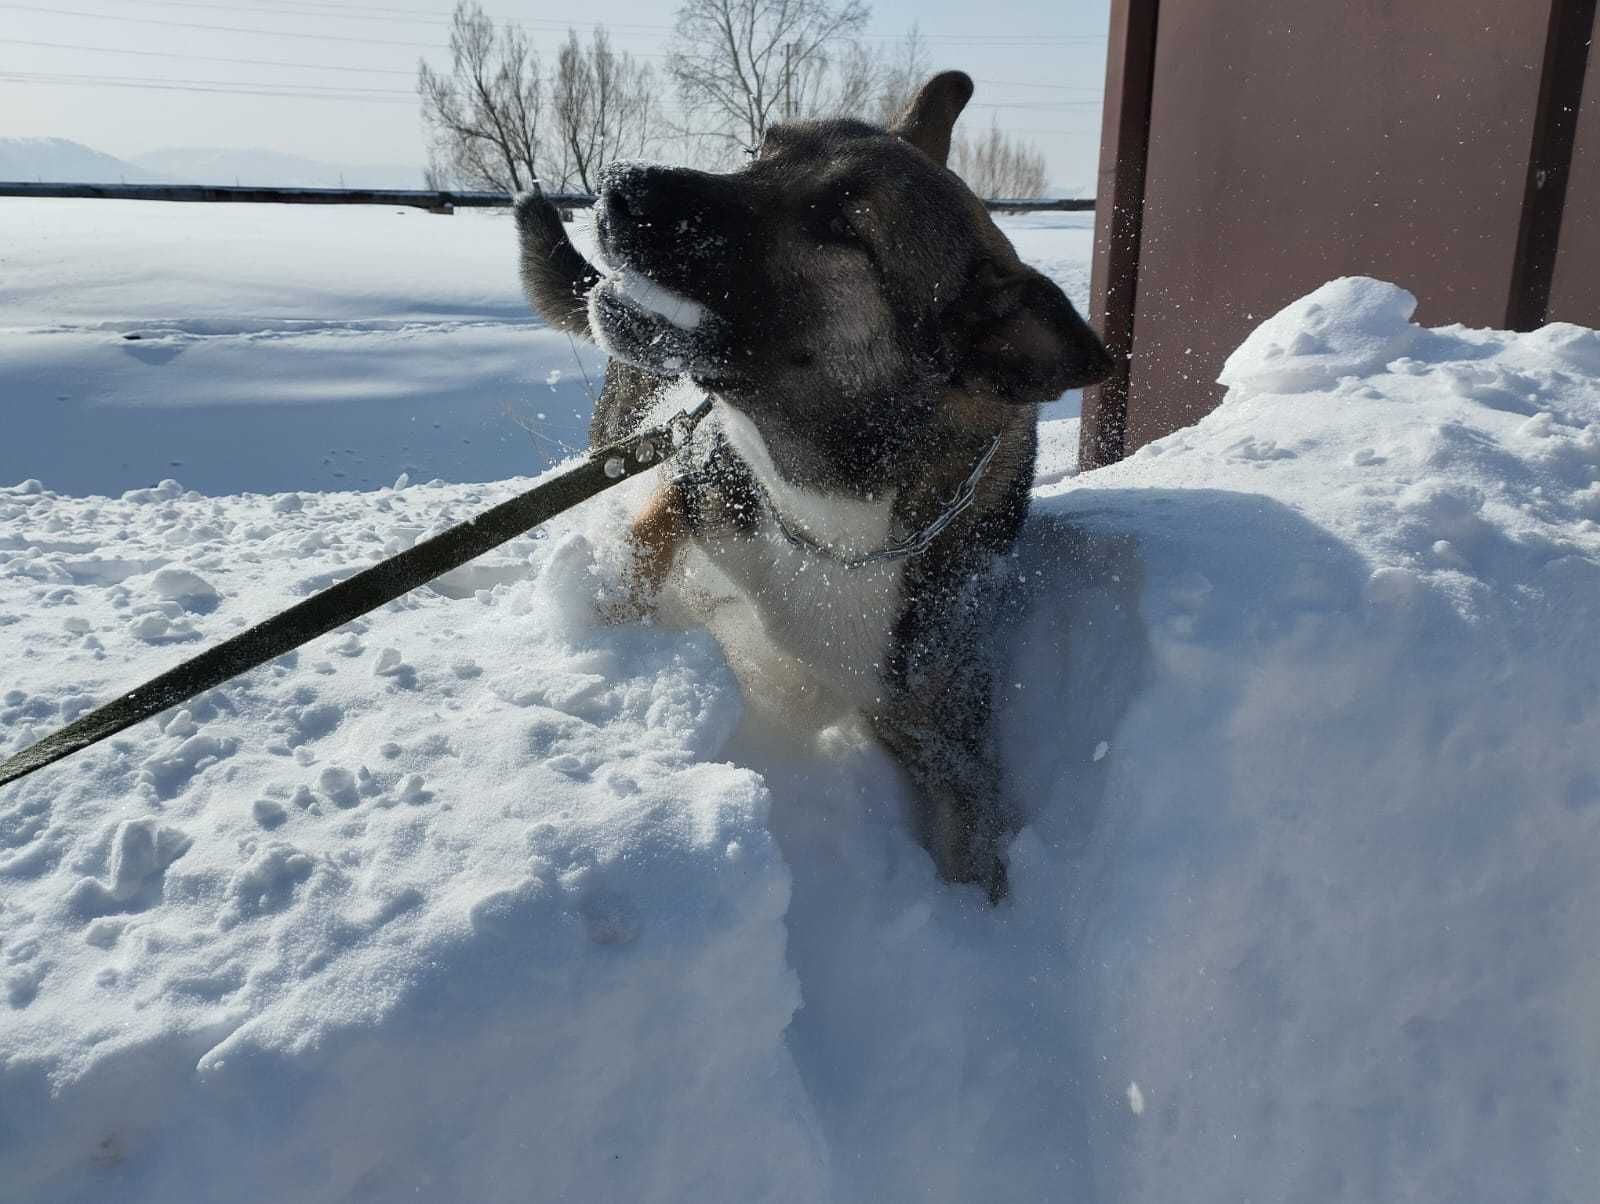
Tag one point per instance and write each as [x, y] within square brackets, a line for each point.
[1300, 140]
[1575, 293]
[1119, 206]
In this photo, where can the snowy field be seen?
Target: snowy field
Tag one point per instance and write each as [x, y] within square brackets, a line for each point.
[276, 347]
[273, 347]
[479, 899]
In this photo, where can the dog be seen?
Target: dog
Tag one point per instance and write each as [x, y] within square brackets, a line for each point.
[876, 353]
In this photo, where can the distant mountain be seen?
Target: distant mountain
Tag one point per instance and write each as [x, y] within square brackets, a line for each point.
[61, 161]
[266, 168]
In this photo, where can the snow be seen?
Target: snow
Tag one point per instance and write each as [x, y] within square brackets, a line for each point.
[341, 345]
[484, 898]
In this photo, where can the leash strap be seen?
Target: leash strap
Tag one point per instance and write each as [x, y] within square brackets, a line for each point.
[366, 591]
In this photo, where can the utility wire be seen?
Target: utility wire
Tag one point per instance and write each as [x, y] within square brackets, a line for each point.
[68, 77]
[313, 91]
[271, 33]
[209, 58]
[236, 90]
[408, 72]
[363, 12]
[966, 39]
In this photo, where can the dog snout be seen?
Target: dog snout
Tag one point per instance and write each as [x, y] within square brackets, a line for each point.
[1090, 361]
[646, 193]
[1098, 363]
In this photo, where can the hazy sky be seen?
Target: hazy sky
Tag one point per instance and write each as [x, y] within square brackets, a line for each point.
[333, 80]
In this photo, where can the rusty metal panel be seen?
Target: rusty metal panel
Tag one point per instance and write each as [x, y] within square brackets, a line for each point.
[1575, 293]
[1301, 140]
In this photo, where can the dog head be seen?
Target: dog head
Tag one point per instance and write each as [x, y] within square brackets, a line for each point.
[838, 288]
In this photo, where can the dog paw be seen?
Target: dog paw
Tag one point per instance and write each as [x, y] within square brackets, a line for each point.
[983, 868]
[632, 601]
[995, 882]
[977, 864]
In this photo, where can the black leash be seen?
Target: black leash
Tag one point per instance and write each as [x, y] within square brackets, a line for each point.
[366, 591]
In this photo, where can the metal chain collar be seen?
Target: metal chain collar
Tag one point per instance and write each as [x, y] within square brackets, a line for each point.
[911, 545]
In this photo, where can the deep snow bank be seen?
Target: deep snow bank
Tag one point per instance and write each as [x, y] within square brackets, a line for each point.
[1303, 710]
[1339, 924]
[434, 905]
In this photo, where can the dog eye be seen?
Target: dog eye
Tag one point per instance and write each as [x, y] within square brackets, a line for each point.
[841, 230]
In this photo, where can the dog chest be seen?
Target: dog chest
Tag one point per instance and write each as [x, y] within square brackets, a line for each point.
[837, 620]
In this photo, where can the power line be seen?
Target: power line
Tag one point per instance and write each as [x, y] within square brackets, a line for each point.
[366, 12]
[271, 33]
[1016, 83]
[236, 90]
[62, 76]
[344, 12]
[333, 92]
[991, 40]
[409, 72]
[208, 58]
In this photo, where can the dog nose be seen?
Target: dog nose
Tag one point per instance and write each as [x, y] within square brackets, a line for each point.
[627, 191]
[624, 206]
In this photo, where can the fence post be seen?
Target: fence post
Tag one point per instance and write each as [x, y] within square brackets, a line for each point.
[1119, 215]
[1555, 128]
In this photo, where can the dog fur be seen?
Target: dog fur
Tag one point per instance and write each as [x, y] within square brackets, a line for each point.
[866, 333]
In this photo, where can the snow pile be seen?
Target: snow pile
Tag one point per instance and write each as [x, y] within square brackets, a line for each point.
[442, 900]
[482, 898]
[1337, 924]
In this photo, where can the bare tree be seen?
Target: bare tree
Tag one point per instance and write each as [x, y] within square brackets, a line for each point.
[997, 166]
[843, 82]
[436, 176]
[740, 65]
[483, 116]
[902, 73]
[602, 104]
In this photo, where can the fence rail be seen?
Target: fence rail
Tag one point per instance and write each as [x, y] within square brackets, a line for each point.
[433, 202]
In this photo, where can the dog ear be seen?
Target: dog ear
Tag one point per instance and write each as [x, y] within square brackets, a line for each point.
[1030, 345]
[927, 122]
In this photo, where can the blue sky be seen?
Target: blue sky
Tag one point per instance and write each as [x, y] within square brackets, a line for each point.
[1040, 69]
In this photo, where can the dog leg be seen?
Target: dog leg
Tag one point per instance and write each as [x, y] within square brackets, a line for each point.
[943, 748]
[655, 536]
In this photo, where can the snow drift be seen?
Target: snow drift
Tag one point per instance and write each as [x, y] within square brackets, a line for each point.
[482, 899]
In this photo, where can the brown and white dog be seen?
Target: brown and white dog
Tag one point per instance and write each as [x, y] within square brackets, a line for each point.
[876, 353]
